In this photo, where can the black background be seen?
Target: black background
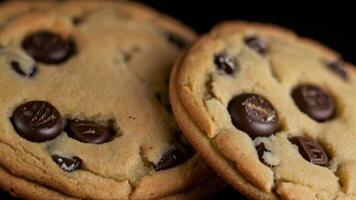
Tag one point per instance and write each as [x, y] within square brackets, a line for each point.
[330, 23]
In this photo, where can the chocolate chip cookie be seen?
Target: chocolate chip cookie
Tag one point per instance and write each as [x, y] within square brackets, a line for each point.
[84, 105]
[272, 112]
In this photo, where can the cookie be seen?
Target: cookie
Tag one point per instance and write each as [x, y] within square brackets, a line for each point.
[272, 113]
[84, 105]
[15, 186]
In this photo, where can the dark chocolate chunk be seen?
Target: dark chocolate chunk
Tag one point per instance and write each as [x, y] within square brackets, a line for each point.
[48, 47]
[170, 159]
[338, 68]
[183, 146]
[89, 131]
[37, 121]
[225, 63]
[315, 102]
[261, 149]
[77, 20]
[256, 44]
[181, 152]
[16, 66]
[164, 100]
[68, 164]
[181, 139]
[311, 150]
[254, 115]
[128, 54]
[176, 40]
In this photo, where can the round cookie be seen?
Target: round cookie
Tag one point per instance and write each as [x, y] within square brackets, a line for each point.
[84, 105]
[272, 113]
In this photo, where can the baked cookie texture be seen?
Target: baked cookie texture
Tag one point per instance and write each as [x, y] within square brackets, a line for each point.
[84, 104]
[272, 113]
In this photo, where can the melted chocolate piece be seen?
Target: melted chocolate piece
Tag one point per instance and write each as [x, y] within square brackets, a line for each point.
[225, 63]
[311, 150]
[176, 40]
[48, 47]
[88, 132]
[314, 101]
[37, 121]
[67, 164]
[338, 68]
[256, 44]
[16, 66]
[254, 115]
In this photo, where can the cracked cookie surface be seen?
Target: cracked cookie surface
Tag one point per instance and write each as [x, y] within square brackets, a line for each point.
[85, 111]
[272, 112]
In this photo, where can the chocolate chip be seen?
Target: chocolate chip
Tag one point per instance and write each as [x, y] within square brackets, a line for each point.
[18, 61]
[177, 40]
[225, 63]
[48, 47]
[256, 44]
[37, 121]
[181, 152]
[254, 115]
[170, 159]
[127, 56]
[338, 68]
[16, 66]
[261, 149]
[89, 131]
[181, 139]
[164, 100]
[129, 53]
[67, 164]
[315, 102]
[183, 146]
[77, 20]
[311, 150]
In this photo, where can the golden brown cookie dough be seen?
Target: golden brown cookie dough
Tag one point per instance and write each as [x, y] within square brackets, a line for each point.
[272, 113]
[85, 104]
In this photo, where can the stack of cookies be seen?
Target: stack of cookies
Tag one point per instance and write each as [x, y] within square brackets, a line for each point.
[113, 100]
